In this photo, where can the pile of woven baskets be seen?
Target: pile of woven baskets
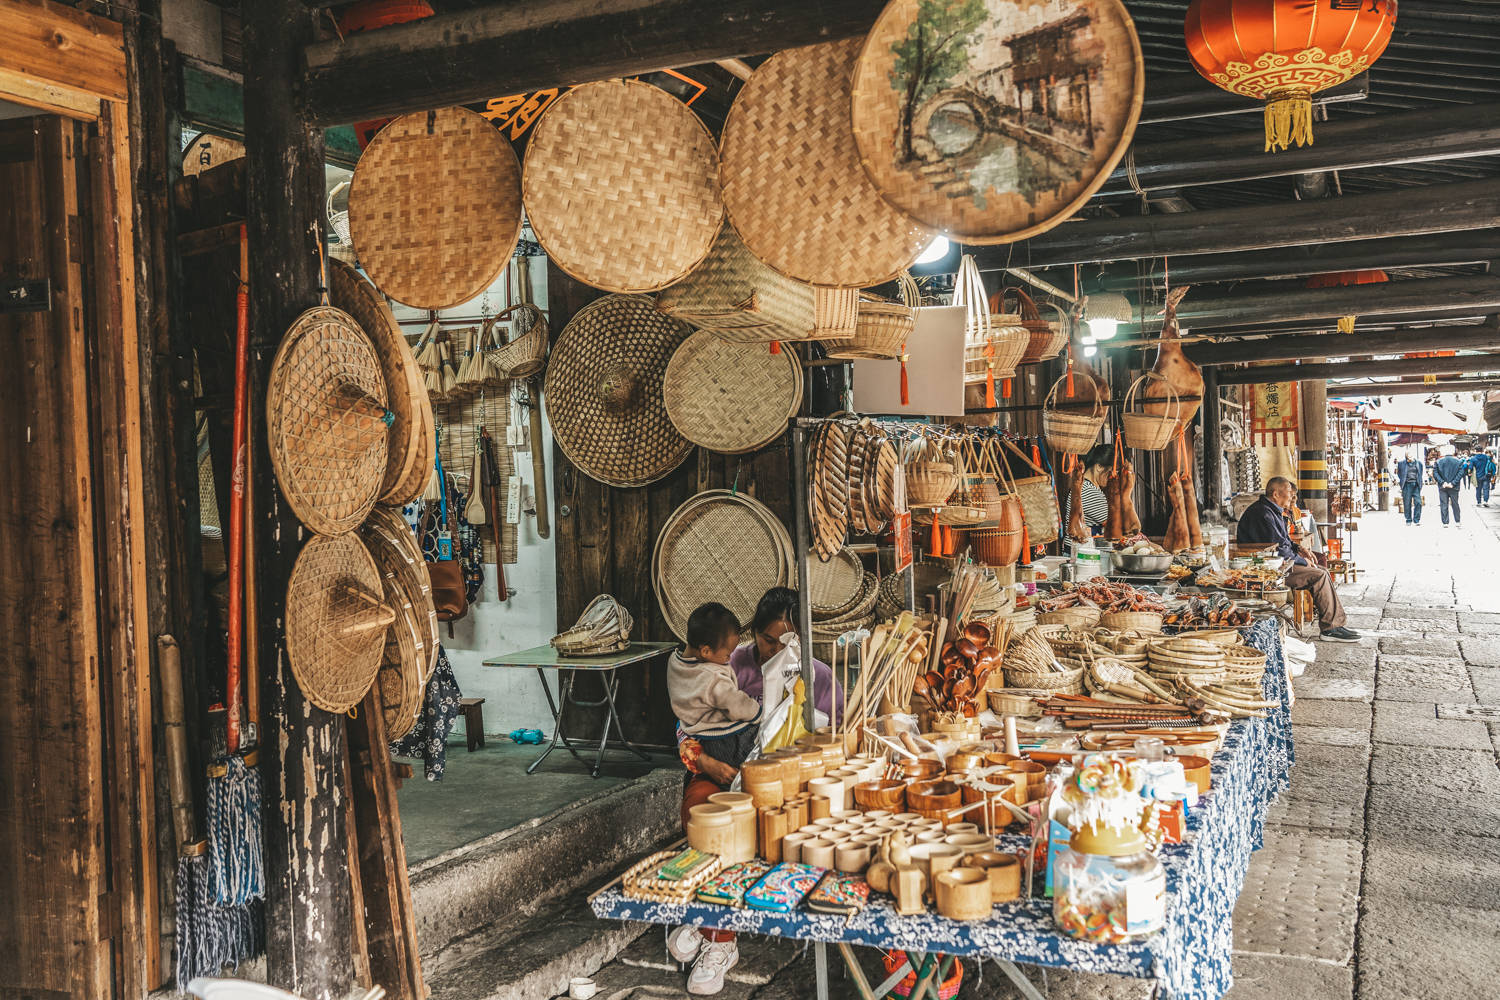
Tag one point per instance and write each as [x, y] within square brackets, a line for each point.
[843, 597]
[854, 487]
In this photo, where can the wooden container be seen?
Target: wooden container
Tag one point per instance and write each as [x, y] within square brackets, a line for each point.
[934, 859]
[762, 779]
[852, 856]
[819, 808]
[791, 772]
[791, 846]
[920, 768]
[889, 795]
[934, 798]
[818, 851]
[772, 830]
[742, 811]
[812, 765]
[797, 812]
[963, 894]
[1198, 771]
[970, 843]
[830, 788]
[1004, 872]
[710, 829]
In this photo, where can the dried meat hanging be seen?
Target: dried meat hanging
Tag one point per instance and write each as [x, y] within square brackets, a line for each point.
[992, 121]
[1284, 51]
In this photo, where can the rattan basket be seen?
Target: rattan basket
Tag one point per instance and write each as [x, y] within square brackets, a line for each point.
[1072, 431]
[1054, 682]
[930, 484]
[1149, 431]
[1038, 500]
[1079, 616]
[883, 327]
[994, 343]
[1040, 334]
[641, 881]
[742, 299]
[1053, 347]
[525, 353]
[604, 627]
[622, 186]
[1138, 621]
[995, 547]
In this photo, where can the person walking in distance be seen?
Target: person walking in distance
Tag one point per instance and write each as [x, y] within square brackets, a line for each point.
[1409, 475]
[1483, 464]
[1449, 473]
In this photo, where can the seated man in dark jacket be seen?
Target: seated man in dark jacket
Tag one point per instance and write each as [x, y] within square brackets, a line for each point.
[1264, 523]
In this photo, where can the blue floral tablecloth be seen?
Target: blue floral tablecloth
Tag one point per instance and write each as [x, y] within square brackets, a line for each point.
[1189, 958]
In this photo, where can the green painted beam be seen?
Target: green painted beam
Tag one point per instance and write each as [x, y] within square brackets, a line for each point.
[215, 104]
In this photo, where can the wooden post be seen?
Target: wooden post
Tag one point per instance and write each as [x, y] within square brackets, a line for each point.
[308, 913]
[1312, 444]
[1383, 460]
[1213, 442]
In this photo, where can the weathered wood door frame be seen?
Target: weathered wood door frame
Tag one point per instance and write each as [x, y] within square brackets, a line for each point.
[68, 63]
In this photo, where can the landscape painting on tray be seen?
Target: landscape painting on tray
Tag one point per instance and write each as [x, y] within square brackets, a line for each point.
[997, 101]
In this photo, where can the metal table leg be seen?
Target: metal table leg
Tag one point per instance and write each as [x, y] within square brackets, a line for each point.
[1016, 976]
[564, 692]
[611, 681]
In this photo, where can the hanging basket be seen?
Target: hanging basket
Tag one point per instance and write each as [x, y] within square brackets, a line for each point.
[525, 355]
[993, 342]
[882, 327]
[1071, 431]
[1038, 500]
[930, 484]
[1060, 328]
[1039, 332]
[1149, 431]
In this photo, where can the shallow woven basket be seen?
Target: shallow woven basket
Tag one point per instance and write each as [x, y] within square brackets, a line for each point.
[1222, 636]
[395, 549]
[1040, 334]
[731, 398]
[930, 484]
[1055, 681]
[834, 586]
[604, 391]
[883, 327]
[1149, 431]
[641, 881]
[435, 207]
[793, 184]
[524, 355]
[622, 186]
[604, 627]
[1081, 616]
[1072, 431]
[336, 621]
[1139, 621]
[1052, 348]
[325, 420]
[742, 299]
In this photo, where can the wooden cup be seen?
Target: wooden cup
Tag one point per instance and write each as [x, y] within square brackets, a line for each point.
[963, 894]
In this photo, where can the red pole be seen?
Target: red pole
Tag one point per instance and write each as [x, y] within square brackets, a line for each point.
[237, 493]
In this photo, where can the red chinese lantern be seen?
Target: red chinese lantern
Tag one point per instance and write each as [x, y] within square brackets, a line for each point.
[1284, 51]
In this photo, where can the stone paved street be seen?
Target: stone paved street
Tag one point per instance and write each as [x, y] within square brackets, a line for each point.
[1380, 875]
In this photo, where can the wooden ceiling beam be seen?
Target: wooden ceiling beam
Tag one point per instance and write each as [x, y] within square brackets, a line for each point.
[1373, 141]
[1331, 345]
[507, 48]
[1413, 211]
[1463, 364]
[1444, 385]
[1173, 97]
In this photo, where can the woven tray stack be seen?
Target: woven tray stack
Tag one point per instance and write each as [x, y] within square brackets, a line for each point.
[720, 546]
[843, 598]
[853, 488]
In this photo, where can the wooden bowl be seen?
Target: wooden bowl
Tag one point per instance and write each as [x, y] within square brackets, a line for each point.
[889, 795]
[1197, 770]
[919, 769]
[1036, 774]
[964, 760]
[1004, 871]
[933, 798]
[963, 894]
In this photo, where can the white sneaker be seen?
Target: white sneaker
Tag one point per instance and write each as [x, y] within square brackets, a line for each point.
[716, 958]
[684, 943]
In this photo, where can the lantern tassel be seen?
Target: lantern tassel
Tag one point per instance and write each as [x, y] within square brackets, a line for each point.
[905, 388]
[1288, 121]
[775, 347]
[1346, 324]
[989, 386]
[1005, 392]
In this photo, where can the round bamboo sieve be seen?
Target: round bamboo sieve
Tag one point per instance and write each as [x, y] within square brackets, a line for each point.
[728, 397]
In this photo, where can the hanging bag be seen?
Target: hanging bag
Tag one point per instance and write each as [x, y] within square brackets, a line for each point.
[449, 598]
[1038, 501]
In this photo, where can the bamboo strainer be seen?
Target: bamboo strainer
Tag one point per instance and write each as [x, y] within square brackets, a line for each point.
[413, 429]
[326, 420]
[604, 391]
[793, 186]
[436, 207]
[834, 585]
[336, 621]
[731, 398]
[622, 186]
[740, 298]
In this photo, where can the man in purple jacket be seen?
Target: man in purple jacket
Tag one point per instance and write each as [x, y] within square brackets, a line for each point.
[1264, 523]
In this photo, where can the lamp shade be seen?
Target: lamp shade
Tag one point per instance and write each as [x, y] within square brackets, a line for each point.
[1104, 311]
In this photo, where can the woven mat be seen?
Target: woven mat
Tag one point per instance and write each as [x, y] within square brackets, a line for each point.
[409, 451]
[1300, 897]
[719, 546]
[971, 168]
[604, 391]
[334, 641]
[329, 458]
[793, 186]
[622, 187]
[728, 397]
[435, 207]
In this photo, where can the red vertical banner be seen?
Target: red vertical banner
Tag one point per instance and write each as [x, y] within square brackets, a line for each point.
[901, 530]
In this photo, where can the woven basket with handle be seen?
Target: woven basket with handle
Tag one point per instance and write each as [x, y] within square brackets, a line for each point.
[1039, 332]
[1038, 500]
[1149, 431]
[526, 354]
[883, 327]
[1073, 431]
[993, 343]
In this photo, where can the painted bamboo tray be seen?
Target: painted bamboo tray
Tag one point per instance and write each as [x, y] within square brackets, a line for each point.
[793, 185]
[326, 420]
[621, 186]
[1015, 125]
[435, 207]
[731, 398]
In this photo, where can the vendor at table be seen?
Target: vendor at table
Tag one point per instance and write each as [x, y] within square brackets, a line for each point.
[1264, 523]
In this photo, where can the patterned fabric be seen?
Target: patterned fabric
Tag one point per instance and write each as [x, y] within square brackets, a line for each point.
[428, 739]
[1189, 958]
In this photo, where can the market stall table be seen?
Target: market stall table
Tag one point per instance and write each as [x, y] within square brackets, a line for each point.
[545, 658]
[1189, 959]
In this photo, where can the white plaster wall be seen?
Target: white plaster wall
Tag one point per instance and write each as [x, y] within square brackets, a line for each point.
[512, 698]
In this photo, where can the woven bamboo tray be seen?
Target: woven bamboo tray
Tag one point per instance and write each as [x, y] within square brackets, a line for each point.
[954, 157]
[621, 186]
[793, 186]
[640, 881]
[395, 549]
[325, 420]
[435, 207]
[604, 391]
[741, 299]
[719, 546]
[336, 621]
[828, 493]
[835, 585]
[413, 428]
[731, 398]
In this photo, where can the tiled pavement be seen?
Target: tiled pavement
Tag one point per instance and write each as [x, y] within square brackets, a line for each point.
[1380, 876]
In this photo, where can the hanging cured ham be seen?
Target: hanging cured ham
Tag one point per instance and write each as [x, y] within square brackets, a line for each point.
[1186, 380]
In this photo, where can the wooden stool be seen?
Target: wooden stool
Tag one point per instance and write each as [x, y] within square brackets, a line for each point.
[1303, 609]
[473, 721]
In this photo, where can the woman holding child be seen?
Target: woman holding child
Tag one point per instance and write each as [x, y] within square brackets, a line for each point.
[716, 687]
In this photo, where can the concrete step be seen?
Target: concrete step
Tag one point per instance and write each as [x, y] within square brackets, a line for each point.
[513, 875]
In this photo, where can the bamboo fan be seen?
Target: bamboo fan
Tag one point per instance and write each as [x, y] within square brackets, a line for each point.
[336, 621]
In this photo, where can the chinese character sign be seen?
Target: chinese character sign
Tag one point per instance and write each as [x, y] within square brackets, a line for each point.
[1274, 419]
